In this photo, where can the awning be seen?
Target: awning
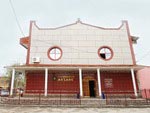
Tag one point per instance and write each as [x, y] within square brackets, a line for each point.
[76, 67]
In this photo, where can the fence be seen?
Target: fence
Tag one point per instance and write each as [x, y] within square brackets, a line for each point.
[127, 98]
[36, 97]
[72, 98]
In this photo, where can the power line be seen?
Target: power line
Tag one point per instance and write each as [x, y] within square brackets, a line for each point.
[14, 12]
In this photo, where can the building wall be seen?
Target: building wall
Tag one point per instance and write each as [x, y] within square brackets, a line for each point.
[35, 82]
[61, 82]
[116, 82]
[80, 43]
[144, 77]
[68, 82]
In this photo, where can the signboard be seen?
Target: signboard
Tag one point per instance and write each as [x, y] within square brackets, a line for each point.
[63, 78]
[108, 83]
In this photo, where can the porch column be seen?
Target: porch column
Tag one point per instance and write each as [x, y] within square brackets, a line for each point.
[46, 81]
[80, 80]
[133, 81]
[23, 73]
[99, 82]
[12, 82]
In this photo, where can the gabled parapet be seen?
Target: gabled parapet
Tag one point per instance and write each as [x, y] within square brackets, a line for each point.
[80, 44]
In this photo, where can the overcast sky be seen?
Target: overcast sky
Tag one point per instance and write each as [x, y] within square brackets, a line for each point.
[54, 13]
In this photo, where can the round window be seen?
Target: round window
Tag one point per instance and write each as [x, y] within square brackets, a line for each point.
[105, 53]
[54, 53]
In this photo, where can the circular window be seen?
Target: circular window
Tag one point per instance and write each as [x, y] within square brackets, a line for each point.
[54, 53]
[105, 53]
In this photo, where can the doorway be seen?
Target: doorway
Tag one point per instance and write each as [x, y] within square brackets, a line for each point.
[92, 88]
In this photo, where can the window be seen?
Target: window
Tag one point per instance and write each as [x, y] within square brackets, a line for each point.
[105, 53]
[54, 53]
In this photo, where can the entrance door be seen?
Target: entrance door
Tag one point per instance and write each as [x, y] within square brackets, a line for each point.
[91, 88]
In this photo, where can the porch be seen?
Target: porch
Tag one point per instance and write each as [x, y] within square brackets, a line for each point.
[88, 81]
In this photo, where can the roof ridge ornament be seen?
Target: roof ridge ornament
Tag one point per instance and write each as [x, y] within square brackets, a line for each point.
[78, 21]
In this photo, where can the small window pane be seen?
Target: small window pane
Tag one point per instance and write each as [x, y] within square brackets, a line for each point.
[57, 51]
[103, 56]
[52, 56]
[57, 56]
[108, 56]
[102, 50]
[107, 50]
[52, 51]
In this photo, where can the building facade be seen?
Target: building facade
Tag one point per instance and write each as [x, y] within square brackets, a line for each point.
[79, 58]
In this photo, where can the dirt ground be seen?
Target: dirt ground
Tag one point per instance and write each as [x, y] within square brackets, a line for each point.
[71, 110]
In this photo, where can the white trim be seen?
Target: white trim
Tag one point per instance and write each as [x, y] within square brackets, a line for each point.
[76, 67]
[46, 81]
[99, 82]
[133, 81]
[12, 82]
[80, 80]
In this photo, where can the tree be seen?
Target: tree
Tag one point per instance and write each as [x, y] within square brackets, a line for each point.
[19, 80]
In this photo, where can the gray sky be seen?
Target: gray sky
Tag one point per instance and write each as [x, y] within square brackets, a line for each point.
[54, 13]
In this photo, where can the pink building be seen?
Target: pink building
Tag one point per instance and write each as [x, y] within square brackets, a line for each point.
[144, 79]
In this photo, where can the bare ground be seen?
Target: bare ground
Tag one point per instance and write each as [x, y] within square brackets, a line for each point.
[71, 110]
